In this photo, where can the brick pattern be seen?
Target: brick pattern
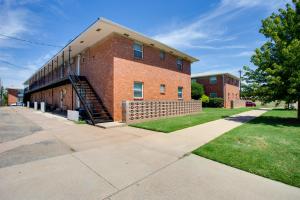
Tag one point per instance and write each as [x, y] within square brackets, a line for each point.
[237, 103]
[12, 96]
[151, 71]
[53, 97]
[136, 111]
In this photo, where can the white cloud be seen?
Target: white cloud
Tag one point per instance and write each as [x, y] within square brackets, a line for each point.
[15, 20]
[13, 79]
[211, 25]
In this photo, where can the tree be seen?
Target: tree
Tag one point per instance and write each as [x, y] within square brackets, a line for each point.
[197, 91]
[277, 76]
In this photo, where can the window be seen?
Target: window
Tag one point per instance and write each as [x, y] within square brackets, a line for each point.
[162, 88]
[213, 80]
[138, 50]
[179, 64]
[180, 92]
[138, 90]
[162, 55]
[213, 94]
[194, 80]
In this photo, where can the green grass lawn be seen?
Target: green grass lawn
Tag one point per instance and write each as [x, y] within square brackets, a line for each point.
[268, 146]
[176, 123]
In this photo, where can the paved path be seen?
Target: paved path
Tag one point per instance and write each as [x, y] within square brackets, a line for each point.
[130, 163]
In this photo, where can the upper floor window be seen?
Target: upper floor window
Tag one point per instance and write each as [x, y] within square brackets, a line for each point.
[179, 64]
[213, 95]
[213, 80]
[194, 80]
[138, 50]
[138, 90]
[180, 92]
[162, 55]
[162, 88]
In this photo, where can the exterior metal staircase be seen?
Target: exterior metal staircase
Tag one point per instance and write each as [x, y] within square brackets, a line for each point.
[91, 102]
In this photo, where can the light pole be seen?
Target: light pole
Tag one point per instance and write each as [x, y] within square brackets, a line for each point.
[1, 91]
[240, 72]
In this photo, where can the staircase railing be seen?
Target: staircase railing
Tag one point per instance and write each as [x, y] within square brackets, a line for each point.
[75, 82]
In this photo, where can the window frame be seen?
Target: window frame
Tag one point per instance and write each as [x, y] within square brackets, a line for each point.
[210, 81]
[138, 82]
[162, 55]
[141, 51]
[180, 87]
[213, 96]
[164, 87]
[181, 65]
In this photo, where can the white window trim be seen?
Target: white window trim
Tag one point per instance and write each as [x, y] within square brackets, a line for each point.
[181, 92]
[142, 90]
[164, 86]
[142, 51]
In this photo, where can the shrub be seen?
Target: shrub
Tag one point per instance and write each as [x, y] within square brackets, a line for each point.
[204, 99]
[215, 103]
[197, 90]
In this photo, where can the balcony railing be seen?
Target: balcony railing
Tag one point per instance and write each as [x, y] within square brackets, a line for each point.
[48, 77]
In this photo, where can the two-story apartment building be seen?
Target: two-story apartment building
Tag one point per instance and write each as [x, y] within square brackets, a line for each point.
[107, 64]
[223, 85]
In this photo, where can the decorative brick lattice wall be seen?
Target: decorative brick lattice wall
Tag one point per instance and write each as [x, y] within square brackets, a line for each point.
[238, 103]
[136, 111]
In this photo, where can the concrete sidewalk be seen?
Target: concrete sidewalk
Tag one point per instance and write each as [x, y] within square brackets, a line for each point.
[131, 163]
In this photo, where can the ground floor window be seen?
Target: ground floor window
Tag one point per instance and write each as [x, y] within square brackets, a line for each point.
[162, 88]
[138, 90]
[213, 94]
[180, 92]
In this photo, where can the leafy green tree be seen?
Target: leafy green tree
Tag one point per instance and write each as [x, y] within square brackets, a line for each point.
[277, 76]
[197, 90]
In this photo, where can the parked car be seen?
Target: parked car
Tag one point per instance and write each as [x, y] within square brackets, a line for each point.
[250, 104]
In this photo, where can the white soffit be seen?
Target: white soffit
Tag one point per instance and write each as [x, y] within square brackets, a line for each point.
[91, 36]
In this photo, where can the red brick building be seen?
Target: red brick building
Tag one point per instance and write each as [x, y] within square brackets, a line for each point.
[14, 96]
[223, 85]
[107, 64]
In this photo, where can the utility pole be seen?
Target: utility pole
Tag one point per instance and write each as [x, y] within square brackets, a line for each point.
[1, 92]
[240, 72]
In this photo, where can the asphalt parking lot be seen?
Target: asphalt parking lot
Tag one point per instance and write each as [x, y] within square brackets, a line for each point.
[13, 127]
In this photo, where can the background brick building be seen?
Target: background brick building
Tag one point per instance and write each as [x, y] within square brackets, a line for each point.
[14, 96]
[223, 85]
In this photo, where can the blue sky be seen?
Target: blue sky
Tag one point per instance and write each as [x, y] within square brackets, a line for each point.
[221, 33]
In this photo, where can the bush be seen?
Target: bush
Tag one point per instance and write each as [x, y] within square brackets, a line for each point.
[197, 90]
[214, 103]
[204, 99]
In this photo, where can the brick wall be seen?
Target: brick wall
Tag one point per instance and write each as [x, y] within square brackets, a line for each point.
[232, 92]
[12, 96]
[210, 88]
[97, 65]
[55, 99]
[150, 70]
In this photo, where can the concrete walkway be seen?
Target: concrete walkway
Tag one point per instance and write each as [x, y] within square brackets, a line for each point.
[130, 163]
